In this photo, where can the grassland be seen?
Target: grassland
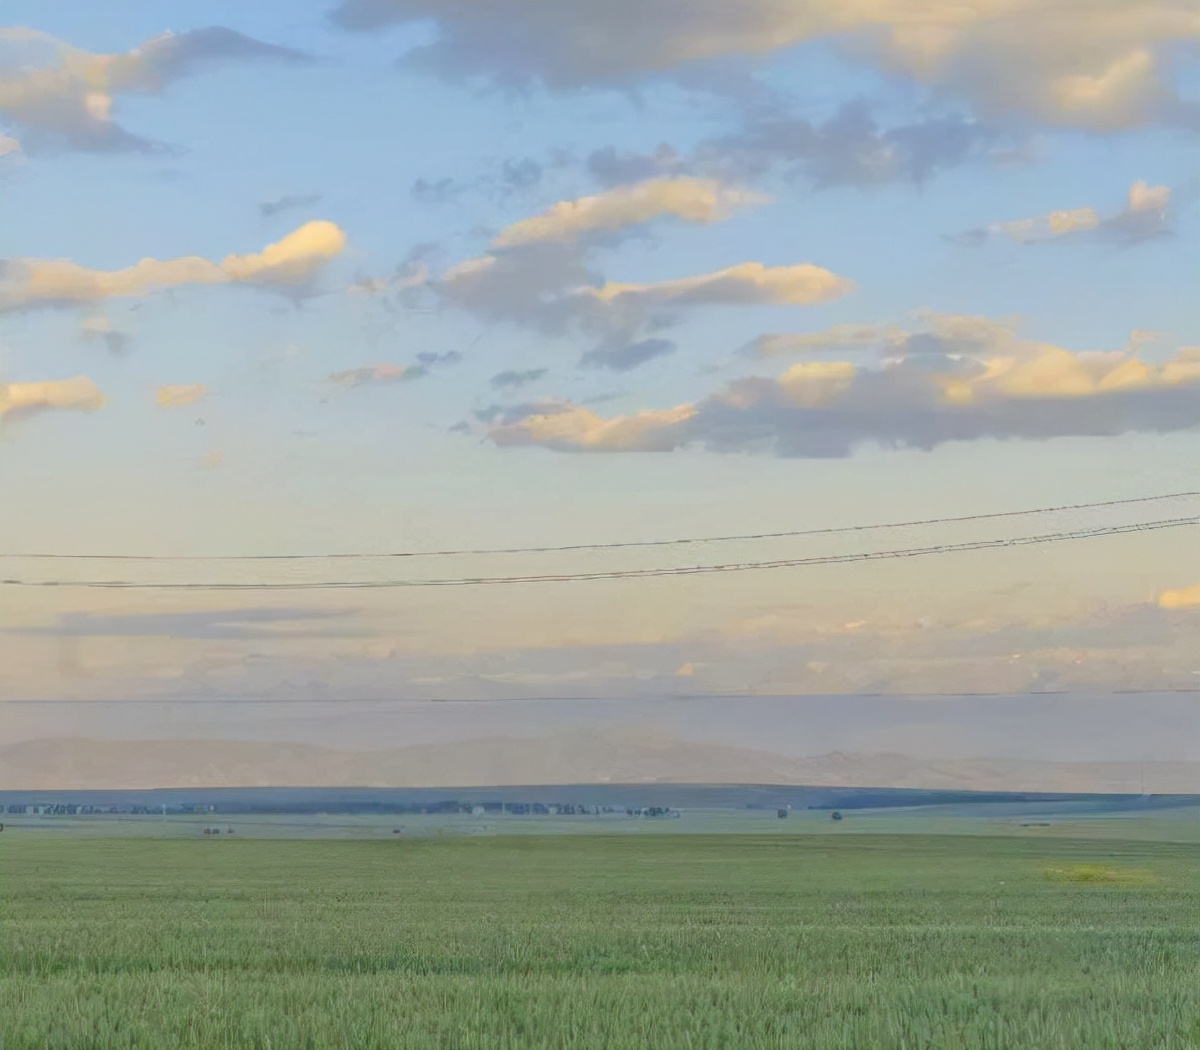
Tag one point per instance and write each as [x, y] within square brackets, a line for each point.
[814, 942]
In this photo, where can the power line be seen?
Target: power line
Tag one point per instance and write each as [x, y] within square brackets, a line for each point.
[618, 574]
[742, 537]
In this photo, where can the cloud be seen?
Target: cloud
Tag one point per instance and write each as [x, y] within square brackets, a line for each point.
[576, 429]
[438, 191]
[9, 147]
[179, 395]
[290, 263]
[611, 166]
[431, 360]
[1146, 214]
[287, 203]
[66, 95]
[539, 274]
[839, 337]
[961, 379]
[208, 625]
[550, 288]
[24, 399]
[693, 200]
[511, 380]
[100, 327]
[1184, 598]
[749, 282]
[620, 356]
[516, 175]
[1046, 62]
[377, 375]
[848, 149]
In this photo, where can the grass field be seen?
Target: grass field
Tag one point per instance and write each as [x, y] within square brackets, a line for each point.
[814, 942]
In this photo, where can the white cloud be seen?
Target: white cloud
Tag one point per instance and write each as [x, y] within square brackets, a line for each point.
[1102, 67]
[20, 399]
[289, 263]
[693, 200]
[67, 94]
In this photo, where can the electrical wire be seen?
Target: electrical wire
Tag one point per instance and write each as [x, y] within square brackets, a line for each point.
[742, 537]
[616, 574]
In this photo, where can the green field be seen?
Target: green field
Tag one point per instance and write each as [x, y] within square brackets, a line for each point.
[597, 942]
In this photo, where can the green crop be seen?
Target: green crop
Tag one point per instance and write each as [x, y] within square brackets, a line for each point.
[599, 943]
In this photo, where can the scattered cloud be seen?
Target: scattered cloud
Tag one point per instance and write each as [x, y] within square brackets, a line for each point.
[843, 337]
[1184, 598]
[438, 191]
[1146, 214]
[750, 282]
[18, 400]
[515, 175]
[1110, 71]
[962, 378]
[288, 203]
[179, 395]
[511, 380]
[100, 327]
[289, 264]
[693, 200]
[9, 147]
[550, 288]
[538, 273]
[432, 360]
[567, 427]
[207, 625]
[619, 356]
[848, 149]
[66, 96]
[377, 375]
[611, 166]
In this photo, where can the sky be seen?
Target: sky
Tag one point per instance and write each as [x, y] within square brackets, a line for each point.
[380, 276]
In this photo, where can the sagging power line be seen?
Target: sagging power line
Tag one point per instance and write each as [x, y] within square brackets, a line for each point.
[624, 545]
[616, 574]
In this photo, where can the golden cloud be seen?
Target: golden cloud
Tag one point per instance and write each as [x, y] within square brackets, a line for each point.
[694, 200]
[966, 378]
[749, 282]
[180, 394]
[79, 393]
[290, 262]
[1184, 598]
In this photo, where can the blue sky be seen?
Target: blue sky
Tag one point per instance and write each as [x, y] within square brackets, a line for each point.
[976, 249]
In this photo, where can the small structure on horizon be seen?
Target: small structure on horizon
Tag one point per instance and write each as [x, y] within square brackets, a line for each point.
[781, 814]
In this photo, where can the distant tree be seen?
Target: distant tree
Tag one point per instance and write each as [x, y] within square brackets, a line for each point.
[835, 815]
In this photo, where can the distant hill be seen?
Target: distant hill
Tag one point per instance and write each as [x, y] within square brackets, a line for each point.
[575, 757]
